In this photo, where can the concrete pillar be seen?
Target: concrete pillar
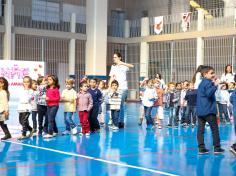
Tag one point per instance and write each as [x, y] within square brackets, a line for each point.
[144, 48]
[96, 45]
[200, 41]
[72, 47]
[7, 51]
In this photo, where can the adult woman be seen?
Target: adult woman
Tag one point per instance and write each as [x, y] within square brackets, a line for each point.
[228, 75]
[119, 72]
[197, 77]
[160, 80]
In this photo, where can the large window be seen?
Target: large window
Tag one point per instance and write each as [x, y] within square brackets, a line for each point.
[45, 11]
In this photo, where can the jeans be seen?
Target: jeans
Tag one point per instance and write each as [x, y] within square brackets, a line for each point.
[172, 116]
[191, 115]
[148, 115]
[83, 115]
[223, 111]
[24, 121]
[212, 120]
[183, 114]
[115, 117]
[93, 120]
[68, 121]
[124, 94]
[52, 126]
[42, 117]
[34, 119]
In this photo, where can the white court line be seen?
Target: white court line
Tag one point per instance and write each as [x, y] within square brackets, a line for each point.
[95, 159]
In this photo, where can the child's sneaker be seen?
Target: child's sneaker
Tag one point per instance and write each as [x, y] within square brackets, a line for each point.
[48, 136]
[169, 126]
[110, 122]
[81, 134]
[140, 121]
[54, 134]
[159, 127]
[203, 151]
[218, 150]
[22, 137]
[66, 132]
[74, 131]
[87, 134]
[115, 127]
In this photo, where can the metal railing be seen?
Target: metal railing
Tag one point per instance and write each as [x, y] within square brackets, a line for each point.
[29, 18]
[219, 18]
[135, 28]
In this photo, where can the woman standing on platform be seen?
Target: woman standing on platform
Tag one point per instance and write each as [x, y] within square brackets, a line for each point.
[119, 72]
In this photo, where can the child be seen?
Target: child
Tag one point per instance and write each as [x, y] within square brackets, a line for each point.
[224, 101]
[206, 110]
[102, 109]
[42, 105]
[171, 99]
[149, 96]
[191, 98]
[233, 102]
[158, 105]
[24, 107]
[34, 106]
[143, 85]
[52, 98]
[69, 97]
[178, 92]
[4, 107]
[85, 104]
[183, 103]
[97, 101]
[114, 98]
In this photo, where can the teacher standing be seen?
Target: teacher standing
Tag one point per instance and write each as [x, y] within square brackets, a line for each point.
[118, 72]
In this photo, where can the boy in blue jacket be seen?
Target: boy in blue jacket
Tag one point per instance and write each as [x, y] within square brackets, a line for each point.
[206, 110]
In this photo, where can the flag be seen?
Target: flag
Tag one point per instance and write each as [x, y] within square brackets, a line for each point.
[158, 24]
[185, 21]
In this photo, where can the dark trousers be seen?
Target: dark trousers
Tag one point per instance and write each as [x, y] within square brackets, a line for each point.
[24, 121]
[52, 126]
[190, 115]
[212, 120]
[42, 117]
[115, 117]
[34, 119]
[93, 120]
[183, 114]
[223, 111]
[148, 115]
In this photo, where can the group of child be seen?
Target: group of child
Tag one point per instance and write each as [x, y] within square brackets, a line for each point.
[202, 101]
[177, 99]
[188, 103]
[41, 99]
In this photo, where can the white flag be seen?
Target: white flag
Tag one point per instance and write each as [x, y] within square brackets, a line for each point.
[186, 21]
[158, 24]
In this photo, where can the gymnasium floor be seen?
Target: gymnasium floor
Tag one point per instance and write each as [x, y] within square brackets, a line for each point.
[132, 151]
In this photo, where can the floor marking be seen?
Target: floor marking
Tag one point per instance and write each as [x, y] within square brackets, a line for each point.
[95, 159]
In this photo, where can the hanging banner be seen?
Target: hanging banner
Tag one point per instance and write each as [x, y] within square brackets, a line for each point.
[158, 24]
[14, 72]
[186, 21]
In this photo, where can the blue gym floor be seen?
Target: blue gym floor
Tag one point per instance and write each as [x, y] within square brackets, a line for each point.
[132, 152]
